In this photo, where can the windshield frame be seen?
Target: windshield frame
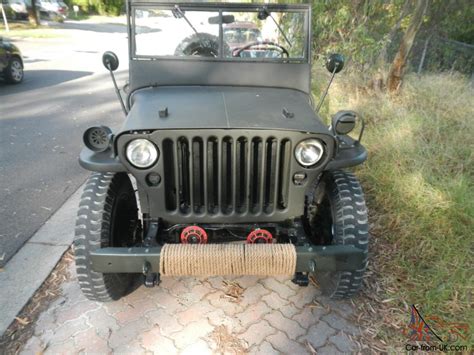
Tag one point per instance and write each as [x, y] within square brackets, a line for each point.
[219, 8]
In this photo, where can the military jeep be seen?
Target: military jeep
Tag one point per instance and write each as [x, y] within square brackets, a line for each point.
[223, 165]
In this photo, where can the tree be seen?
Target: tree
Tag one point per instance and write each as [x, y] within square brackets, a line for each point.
[33, 14]
[397, 70]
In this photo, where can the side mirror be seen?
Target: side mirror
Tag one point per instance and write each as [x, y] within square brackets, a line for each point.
[335, 63]
[343, 122]
[110, 61]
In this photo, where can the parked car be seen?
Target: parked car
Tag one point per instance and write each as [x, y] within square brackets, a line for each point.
[52, 9]
[16, 9]
[222, 165]
[11, 62]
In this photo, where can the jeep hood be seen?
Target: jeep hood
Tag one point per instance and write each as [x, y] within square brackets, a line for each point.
[208, 107]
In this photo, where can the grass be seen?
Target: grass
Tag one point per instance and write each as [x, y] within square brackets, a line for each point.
[419, 182]
[24, 30]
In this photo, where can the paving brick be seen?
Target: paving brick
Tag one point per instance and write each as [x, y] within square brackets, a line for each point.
[132, 347]
[264, 349]
[152, 340]
[170, 303]
[218, 317]
[46, 321]
[218, 300]
[200, 347]
[288, 326]
[309, 316]
[285, 345]
[67, 330]
[76, 311]
[289, 310]
[64, 348]
[194, 313]
[126, 334]
[128, 315]
[90, 342]
[337, 322]
[168, 324]
[257, 333]
[342, 342]
[253, 313]
[304, 296]
[215, 282]
[191, 333]
[328, 350]
[274, 301]
[200, 291]
[253, 294]
[102, 322]
[279, 287]
[33, 346]
[318, 334]
[247, 281]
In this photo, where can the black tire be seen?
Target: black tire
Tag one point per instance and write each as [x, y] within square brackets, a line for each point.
[14, 71]
[202, 45]
[341, 218]
[107, 217]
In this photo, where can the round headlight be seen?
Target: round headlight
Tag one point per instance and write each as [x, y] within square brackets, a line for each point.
[309, 152]
[141, 153]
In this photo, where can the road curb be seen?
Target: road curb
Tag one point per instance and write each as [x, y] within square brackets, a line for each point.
[32, 264]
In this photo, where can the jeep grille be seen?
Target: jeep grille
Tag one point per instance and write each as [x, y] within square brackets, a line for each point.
[226, 175]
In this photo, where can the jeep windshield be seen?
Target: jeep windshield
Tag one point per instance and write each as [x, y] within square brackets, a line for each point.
[222, 31]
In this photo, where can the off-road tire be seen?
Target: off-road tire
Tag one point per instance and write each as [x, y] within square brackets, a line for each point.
[107, 217]
[201, 44]
[13, 73]
[348, 213]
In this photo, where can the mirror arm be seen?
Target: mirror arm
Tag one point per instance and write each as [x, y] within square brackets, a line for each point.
[327, 88]
[117, 91]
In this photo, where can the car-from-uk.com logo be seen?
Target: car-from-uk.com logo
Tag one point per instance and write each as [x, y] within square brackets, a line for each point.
[421, 333]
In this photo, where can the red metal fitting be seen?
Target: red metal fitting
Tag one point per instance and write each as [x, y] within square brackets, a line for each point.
[260, 236]
[193, 235]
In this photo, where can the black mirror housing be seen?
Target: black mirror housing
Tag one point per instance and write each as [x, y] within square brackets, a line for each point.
[110, 61]
[343, 122]
[335, 63]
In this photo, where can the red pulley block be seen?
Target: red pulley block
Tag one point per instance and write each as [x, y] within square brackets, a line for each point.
[193, 235]
[260, 236]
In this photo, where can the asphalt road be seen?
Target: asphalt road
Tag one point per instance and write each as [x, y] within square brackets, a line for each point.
[65, 90]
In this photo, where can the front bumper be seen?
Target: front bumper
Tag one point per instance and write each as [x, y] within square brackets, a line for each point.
[308, 259]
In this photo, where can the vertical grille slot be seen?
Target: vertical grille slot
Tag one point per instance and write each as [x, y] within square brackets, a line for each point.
[270, 175]
[256, 155]
[198, 175]
[241, 175]
[183, 175]
[227, 176]
[212, 175]
[283, 174]
[170, 183]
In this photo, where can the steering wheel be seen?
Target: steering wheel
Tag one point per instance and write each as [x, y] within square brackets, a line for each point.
[281, 49]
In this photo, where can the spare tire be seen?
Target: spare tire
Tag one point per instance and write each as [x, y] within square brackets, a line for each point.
[202, 45]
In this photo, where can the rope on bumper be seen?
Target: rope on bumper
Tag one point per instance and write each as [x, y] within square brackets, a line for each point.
[227, 259]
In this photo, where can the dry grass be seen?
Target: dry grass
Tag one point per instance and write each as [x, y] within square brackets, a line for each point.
[419, 181]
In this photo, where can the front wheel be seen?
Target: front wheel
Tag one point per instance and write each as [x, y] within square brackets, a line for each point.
[14, 71]
[107, 217]
[340, 218]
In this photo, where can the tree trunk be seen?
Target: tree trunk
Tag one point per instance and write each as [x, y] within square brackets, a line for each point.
[33, 14]
[397, 70]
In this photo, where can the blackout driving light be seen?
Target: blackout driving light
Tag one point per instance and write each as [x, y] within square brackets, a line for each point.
[309, 152]
[141, 153]
[97, 138]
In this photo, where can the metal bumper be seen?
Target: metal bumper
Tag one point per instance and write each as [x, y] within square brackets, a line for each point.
[308, 259]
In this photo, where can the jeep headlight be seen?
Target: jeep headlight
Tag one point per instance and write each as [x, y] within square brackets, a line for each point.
[309, 152]
[141, 153]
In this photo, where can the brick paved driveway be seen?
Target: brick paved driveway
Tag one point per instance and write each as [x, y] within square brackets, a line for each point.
[194, 316]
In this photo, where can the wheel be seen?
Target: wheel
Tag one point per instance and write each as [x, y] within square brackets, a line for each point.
[340, 218]
[202, 45]
[107, 217]
[14, 71]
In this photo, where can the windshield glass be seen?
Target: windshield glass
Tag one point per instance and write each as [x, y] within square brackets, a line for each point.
[254, 33]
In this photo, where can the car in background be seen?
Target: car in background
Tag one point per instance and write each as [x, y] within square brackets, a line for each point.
[16, 9]
[11, 62]
[52, 9]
